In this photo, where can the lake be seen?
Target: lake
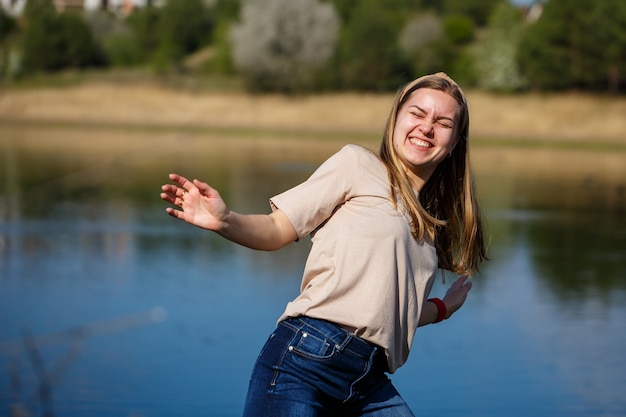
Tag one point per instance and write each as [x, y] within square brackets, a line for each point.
[109, 307]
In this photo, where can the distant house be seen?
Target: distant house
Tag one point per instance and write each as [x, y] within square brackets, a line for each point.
[124, 7]
[63, 5]
[121, 7]
[16, 7]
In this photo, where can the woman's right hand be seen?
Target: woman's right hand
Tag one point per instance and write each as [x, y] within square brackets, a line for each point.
[199, 203]
[457, 294]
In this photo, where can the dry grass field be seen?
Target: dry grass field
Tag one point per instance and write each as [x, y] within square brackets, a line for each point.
[568, 117]
[545, 136]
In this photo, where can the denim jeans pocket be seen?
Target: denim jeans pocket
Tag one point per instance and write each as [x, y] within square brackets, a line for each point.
[324, 357]
[311, 346]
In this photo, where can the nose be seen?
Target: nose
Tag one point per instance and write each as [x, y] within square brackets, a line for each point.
[426, 127]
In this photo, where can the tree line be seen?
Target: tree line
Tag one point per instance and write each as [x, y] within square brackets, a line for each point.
[297, 46]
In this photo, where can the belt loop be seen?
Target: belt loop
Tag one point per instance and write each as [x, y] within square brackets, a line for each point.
[346, 341]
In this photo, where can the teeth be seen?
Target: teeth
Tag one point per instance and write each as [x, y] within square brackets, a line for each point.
[418, 142]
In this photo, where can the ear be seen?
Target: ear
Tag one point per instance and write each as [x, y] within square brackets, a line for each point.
[455, 142]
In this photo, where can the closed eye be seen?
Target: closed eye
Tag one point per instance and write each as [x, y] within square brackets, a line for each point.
[420, 113]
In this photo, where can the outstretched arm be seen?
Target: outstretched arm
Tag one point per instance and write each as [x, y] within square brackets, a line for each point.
[454, 299]
[202, 206]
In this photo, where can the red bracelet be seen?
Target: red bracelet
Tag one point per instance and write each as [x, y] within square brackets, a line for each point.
[442, 311]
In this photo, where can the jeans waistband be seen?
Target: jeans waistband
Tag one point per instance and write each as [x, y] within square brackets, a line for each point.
[341, 337]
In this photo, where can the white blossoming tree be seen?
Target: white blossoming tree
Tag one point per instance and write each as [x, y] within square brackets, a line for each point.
[281, 44]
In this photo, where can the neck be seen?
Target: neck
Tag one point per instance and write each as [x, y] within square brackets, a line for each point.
[418, 179]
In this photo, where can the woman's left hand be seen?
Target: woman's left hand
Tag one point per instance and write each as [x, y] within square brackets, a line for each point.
[456, 294]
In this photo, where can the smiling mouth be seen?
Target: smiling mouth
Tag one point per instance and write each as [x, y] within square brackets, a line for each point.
[420, 143]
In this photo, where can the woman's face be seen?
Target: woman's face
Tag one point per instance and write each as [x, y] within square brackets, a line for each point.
[425, 132]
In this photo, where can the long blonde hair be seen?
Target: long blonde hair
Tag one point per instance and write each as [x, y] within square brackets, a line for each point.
[446, 210]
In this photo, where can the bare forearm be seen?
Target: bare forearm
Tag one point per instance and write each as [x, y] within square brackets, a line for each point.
[429, 314]
[201, 205]
[258, 231]
[453, 300]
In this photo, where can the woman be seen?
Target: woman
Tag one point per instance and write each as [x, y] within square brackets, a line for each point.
[381, 226]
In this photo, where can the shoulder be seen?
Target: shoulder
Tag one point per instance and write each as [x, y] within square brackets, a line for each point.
[352, 165]
[359, 154]
[362, 168]
[354, 149]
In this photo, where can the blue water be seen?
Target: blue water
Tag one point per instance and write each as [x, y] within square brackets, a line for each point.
[171, 318]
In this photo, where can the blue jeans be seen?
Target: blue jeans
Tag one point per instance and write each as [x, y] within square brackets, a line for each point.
[312, 368]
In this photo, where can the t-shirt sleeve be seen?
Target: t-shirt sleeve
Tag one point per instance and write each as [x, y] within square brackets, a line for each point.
[309, 204]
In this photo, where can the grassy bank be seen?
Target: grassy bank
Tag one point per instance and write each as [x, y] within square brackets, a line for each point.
[555, 119]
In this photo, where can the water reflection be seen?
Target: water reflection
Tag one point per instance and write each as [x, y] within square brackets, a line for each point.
[84, 238]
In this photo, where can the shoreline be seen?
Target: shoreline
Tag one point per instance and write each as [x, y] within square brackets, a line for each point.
[566, 118]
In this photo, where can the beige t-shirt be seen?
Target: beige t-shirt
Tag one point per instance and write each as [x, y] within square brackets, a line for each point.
[365, 271]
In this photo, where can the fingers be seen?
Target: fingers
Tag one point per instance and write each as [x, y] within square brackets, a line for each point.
[187, 195]
[461, 282]
[173, 199]
[183, 186]
[178, 214]
[173, 190]
[174, 193]
[457, 293]
[204, 188]
[182, 182]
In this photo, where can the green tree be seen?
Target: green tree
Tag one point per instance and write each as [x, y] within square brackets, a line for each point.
[399, 10]
[611, 74]
[458, 29]
[52, 41]
[143, 38]
[576, 44]
[183, 27]
[222, 61]
[7, 28]
[122, 48]
[226, 10]
[477, 10]
[460, 34]
[369, 57]
[35, 9]
[7, 25]
[226, 13]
